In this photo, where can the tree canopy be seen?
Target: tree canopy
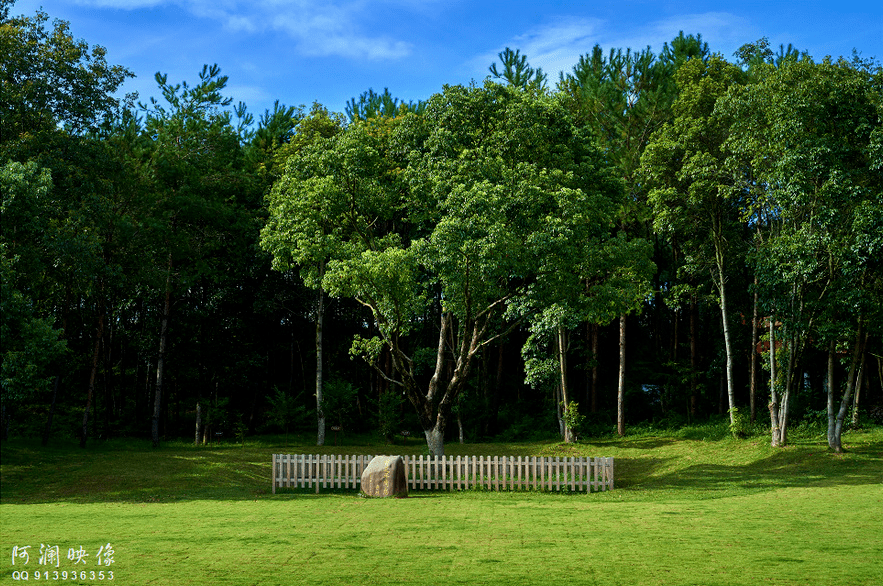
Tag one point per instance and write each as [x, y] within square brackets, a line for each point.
[482, 252]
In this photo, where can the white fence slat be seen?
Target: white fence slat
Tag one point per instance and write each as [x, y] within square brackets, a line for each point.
[609, 469]
[449, 472]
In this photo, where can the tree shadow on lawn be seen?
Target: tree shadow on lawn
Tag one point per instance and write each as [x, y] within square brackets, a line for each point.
[783, 469]
[31, 476]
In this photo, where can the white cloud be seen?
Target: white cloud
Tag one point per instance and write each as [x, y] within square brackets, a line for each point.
[317, 28]
[557, 46]
[553, 47]
[122, 4]
[249, 94]
[331, 30]
[723, 31]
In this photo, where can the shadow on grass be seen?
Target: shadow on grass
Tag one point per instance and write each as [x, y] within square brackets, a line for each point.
[132, 472]
[785, 468]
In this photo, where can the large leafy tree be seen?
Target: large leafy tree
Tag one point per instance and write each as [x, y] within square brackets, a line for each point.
[803, 138]
[501, 196]
[624, 96]
[56, 103]
[304, 158]
[29, 342]
[48, 78]
[693, 196]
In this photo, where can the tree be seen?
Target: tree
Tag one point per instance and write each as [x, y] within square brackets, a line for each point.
[29, 342]
[56, 100]
[49, 78]
[624, 97]
[373, 105]
[498, 189]
[202, 192]
[303, 160]
[694, 196]
[517, 72]
[803, 138]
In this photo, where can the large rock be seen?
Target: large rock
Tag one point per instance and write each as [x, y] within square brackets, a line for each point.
[385, 476]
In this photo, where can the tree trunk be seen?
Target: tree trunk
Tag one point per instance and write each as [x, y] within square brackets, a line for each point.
[752, 371]
[109, 401]
[785, 404]
[694, 385]
[562, 367]
[594, 388]
[495, 396]
[620, 394]
[731, 390]
[99, 333]
[847, 394]
[858, 382]
[320, 320]
[160, 361]
[435, 440]
[198, 424]
[775, 439]
[460, 426]
[559, 410]
[832, 417]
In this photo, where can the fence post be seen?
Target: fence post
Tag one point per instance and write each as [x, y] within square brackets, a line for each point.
[610, 485]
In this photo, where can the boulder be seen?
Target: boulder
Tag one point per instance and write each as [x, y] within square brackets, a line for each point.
[385, 476]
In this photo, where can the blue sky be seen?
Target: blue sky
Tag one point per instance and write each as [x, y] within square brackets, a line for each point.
[300, 51]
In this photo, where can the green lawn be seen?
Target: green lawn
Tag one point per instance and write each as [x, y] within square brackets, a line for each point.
[686, 510]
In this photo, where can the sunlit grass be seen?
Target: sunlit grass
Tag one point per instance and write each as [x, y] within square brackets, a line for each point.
[686, 510]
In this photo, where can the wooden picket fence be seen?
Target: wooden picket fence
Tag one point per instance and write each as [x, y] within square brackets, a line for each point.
[450, 472]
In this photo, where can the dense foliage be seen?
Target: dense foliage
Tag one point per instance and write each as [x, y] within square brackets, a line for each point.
[475, 258]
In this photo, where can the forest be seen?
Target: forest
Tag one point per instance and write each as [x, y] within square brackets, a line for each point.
[654, 238]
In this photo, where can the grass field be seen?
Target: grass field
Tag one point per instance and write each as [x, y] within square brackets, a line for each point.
[691, 507]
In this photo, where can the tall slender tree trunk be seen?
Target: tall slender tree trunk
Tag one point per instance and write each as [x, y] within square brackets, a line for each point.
[594, 368]
[752, 371]
[847, 394]
[832, 416]
[198, 424]
[320, 320]
[694, 385]
[731, 387]
[775, 440]
[858, 382]
[498, 388]
[160, 360]
[785, 395]
[99, 333]
[562, 369]
[620, 393]
[109, 399]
